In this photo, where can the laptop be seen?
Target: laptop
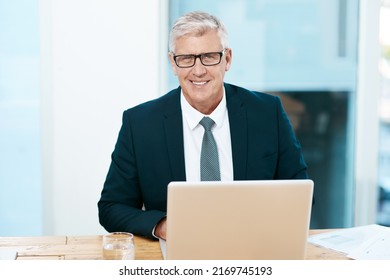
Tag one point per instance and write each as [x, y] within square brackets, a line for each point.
[237, 220]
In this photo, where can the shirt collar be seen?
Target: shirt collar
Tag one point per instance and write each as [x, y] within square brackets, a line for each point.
[193, 116]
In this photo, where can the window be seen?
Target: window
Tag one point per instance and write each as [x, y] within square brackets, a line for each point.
[305, 52]
[20, 172]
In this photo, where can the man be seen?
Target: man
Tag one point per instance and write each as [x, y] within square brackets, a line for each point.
[161, 140]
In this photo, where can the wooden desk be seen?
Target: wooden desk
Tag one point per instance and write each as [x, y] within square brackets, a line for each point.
[89, 248]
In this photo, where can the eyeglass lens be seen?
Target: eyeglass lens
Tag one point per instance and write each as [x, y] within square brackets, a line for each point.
[207, 59]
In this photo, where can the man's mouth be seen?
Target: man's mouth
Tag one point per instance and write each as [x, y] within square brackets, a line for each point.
[199, 83]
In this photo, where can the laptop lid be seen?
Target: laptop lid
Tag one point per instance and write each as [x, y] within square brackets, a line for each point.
[238, 219]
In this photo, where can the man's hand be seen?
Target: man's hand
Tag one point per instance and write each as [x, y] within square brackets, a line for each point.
[161, 229]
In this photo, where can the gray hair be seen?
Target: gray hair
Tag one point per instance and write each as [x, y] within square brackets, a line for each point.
[197, 24]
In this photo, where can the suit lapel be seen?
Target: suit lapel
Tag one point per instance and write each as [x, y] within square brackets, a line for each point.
[238, 132]
[173, 124]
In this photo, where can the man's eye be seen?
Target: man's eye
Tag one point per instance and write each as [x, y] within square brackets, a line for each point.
[186, 58]
[210, 56]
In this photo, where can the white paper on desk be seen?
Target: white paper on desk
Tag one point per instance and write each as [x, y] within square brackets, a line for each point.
[163, 247]
[375, 248]
[348, 240]
[8, 254]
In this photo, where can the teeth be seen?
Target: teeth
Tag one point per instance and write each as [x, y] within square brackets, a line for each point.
[199, 83]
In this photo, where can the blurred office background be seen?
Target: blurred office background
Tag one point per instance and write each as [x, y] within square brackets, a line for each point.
[68, 69]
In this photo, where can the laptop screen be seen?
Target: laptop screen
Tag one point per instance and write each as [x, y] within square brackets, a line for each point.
[238, 219]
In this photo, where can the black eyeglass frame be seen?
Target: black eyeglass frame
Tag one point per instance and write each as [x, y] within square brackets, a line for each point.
[195, 56]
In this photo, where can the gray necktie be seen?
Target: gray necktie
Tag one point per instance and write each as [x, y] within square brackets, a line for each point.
[209, 163]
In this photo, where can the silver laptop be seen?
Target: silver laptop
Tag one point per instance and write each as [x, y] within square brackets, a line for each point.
[238, 220]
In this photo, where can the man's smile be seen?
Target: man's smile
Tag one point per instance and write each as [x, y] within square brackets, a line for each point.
[199, 83]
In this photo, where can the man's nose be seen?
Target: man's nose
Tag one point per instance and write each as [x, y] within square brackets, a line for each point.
[198, 68]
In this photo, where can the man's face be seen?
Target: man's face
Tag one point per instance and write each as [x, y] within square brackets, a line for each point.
[202, 85]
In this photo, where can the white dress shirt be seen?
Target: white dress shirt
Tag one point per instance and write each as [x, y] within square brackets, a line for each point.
[193, 135]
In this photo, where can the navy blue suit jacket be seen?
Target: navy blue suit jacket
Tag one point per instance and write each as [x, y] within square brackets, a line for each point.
[149, 154]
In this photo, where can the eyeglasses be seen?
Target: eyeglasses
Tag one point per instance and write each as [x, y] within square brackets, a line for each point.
[207, 59]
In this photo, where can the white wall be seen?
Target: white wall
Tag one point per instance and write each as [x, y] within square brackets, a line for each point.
[98, 59]
[367, 119]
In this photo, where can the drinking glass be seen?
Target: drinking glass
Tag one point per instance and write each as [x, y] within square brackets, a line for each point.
[118, 246]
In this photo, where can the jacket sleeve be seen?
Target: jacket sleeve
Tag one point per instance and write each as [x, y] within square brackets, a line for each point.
[121, 203]
[291, 164]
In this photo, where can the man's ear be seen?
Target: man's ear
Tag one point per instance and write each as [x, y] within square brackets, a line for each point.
[172, 62]
[228, 57]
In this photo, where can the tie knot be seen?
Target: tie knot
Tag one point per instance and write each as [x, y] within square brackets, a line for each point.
[207, 123]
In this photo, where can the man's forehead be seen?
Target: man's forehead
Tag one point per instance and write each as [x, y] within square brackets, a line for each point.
[206, 42]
